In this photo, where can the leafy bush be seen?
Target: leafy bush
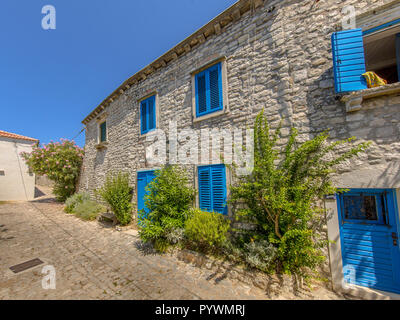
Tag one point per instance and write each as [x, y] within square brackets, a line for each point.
[168, 201]
[261, 255]
[88, 209]
[117, 192]
[206, 230]
[73, 200]
[161, 245]
[61, 162]
[281, 196]
[175, 235]
[298, 250]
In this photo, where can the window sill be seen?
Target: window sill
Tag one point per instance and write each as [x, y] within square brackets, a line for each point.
[210, 115]
[354, 100]
[101, 145]
[147, 133]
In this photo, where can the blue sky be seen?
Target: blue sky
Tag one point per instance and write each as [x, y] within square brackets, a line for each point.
[50, 80]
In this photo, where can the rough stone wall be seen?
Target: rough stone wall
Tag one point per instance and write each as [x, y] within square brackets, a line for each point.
[280, 61]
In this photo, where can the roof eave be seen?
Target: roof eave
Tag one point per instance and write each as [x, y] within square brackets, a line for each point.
[233, 13]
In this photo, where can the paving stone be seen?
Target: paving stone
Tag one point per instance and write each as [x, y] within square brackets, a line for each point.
[94, 262]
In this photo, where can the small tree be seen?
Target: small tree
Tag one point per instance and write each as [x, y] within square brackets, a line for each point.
[281, 196]
[117, 192]
[60, 161]
[168, 201]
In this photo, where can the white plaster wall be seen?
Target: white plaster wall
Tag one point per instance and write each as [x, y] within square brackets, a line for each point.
[16, 183]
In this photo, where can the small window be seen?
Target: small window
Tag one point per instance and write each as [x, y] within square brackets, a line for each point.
[148, 114]
[103, 131]
[209, 90]
[364, 206]
[2, 173]
[212, 188]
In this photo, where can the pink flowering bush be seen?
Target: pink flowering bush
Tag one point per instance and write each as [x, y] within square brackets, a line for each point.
[60, 161]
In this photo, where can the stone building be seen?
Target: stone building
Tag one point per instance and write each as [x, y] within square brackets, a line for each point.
[302, 62]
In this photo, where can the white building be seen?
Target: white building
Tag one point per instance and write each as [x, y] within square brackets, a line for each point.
[16, 182]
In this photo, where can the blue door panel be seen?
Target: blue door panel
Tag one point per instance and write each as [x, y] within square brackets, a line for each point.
[368, 262]
[367, 244]
[143, 180]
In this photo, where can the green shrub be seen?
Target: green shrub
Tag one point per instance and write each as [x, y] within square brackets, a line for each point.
[168, 201]
[73, 200]
[117, 192]
[161, 245]
[282, 195]
[175, 235]
[61, 162]
[261, 255]
[206, 230]
[297, 250]
[88, 209]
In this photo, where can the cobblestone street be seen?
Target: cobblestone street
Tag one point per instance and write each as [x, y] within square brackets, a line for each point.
[95, 261]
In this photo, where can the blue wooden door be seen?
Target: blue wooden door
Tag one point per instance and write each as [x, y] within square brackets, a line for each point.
[143, 179]
[368, 220]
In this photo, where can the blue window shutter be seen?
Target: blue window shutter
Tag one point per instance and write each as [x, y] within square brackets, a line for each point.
[212, 188]
[151, 112]
[148, 114]
[218, 180]
[209, 90]
[143, 116]
[348, 60]
[215, 87]
[201, 98]
[205, 200]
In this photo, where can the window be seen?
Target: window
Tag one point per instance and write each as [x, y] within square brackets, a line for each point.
[365, 206]
[212, 188]
[381, 54]
[103, 131]
[356, 51]
[208, 88]
[148, 114]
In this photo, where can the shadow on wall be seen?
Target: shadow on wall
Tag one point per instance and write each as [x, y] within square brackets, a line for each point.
[391, 175]
[319, 102]
[38, 193]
